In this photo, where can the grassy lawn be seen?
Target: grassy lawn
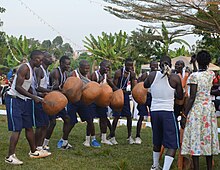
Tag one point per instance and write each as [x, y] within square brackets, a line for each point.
[119, 157]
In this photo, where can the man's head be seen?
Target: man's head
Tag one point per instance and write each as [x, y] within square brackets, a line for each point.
[105, 66]
[48, 59]
[203, 59]
[179, 65]
[36, 58]
[129, 65]
[84, 67]
[165, 60]
[153, 66]
[65, 63]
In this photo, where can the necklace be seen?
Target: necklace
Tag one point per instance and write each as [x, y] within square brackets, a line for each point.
[122, 86]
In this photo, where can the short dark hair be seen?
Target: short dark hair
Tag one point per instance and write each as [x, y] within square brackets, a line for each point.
[47, 54]
[203, 58]
[63, 58]
[166, 59]
[127, 60]
[104, 62]
[35, 53]
[83, 63]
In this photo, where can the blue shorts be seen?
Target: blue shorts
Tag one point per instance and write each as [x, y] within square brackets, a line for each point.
[99, 112]
[62, 114]
[84, 111]
[126, 111]
[20, 113]
[165, 129]
[142, 109]
[41, 118]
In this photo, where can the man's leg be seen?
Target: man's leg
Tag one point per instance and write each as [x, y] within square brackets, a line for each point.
[169, 157]
[13, 142]
[40, 134]
[29, 133]
[139, 124]
[114, 126]
[52, 124]
[156, 156]
[103, 128]
[196, 162]
[209, 162]
[67, 127]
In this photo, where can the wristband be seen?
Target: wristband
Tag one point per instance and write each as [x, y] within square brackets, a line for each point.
[183, 115]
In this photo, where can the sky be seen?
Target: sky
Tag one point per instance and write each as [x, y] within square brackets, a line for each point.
[72, 19]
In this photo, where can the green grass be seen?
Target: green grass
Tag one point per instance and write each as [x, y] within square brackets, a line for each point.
[118, 157]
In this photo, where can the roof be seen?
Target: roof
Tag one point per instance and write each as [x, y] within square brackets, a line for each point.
[186, 60]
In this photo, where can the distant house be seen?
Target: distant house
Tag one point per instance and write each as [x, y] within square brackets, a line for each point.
[146, 67]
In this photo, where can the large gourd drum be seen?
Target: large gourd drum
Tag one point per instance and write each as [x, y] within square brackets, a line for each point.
[90, 92]
[54, 102]
[105, 97]
[72, 88]
[117, 101]
[139, 93]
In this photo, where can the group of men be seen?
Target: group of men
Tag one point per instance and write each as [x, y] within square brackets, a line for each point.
[33, 81]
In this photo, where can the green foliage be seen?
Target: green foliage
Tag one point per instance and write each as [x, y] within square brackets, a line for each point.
[179, 52]
[112, 47]
[210, 42]
[21, 48]
[143, 46]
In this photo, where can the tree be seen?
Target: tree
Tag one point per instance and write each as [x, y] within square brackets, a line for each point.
[58, 41]
[211, 43]
[176, 12]
[113, 47]
[2, 10]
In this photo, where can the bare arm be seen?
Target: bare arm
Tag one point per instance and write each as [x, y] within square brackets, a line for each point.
[150, 79]
[143, 77]
[133, 78]
[93, 77]
[179, 88]
[193, 90]
[54, 78]
[115, 79]
[22, 73]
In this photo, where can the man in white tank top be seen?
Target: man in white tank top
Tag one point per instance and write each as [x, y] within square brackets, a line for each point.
[41, 84]
[164, 85]
[19, 106]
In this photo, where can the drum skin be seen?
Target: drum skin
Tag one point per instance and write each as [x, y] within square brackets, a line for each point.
[105, 97]
[90, 92]
[72, 88]
[117, 101]
[54, 102]
[139, 93]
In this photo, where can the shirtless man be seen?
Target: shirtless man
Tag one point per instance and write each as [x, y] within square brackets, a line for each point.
[102, 76]
[124, 79]
[83, 110]
[57, 78]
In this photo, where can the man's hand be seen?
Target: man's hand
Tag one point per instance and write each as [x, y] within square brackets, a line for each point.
[133, 75]
[183, 122]
[37, 99]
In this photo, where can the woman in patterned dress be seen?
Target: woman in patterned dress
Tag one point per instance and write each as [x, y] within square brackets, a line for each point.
[200, 134]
